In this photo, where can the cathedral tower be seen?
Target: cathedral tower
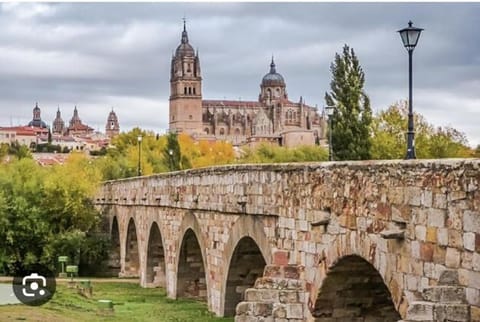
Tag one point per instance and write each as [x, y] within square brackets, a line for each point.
[112, 128]
[58, 123]
[185, 89]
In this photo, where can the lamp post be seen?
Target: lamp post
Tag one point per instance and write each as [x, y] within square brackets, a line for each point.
[139, 168]
[410, 37]
[330, 110]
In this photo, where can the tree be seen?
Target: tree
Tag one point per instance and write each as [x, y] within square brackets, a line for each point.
[172, 154]
[46, 212]
[352, 115]
[389, 140]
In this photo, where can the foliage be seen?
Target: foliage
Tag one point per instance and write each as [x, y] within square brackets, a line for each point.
[121, 159]
[20, 151]
[352, 115]
[205, 153]
[389, 139]
[45, 212]
[274, 154]
[172, 155]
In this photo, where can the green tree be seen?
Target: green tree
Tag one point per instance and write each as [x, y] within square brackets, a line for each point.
[45, 212]
[172, 154]
[352, 116]
[389, 136]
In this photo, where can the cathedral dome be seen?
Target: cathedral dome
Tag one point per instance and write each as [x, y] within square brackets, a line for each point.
[184, 49]
[273, 78]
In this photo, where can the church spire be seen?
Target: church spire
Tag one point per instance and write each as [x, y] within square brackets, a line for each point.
[273, 70]
[184, 32]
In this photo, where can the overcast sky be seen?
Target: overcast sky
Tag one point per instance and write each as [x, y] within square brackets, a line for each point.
[99, 56]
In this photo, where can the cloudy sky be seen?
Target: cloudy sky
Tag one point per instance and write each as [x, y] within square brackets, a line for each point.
[99, 56]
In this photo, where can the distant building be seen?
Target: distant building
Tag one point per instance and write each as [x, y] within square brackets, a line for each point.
[37, 119]
[58, 124]
[112, 128]
[25, 135]
[76, 127]
[273, 118]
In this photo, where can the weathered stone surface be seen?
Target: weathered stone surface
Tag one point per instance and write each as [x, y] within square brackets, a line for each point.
[409, 220]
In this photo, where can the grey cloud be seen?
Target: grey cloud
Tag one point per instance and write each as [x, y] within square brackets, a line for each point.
[99, 55]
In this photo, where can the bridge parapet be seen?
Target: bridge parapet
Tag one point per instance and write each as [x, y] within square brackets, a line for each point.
[400, 222]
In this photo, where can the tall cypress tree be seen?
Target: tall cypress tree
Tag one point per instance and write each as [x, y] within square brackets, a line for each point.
[353, 115]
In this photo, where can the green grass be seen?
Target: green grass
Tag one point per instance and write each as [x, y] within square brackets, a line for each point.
[131, 303]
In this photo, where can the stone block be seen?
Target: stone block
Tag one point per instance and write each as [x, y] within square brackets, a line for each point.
[455, 238]
[295, 311]
[243, 308]
[473, 296]
[476, 261]
[452, 312]
[452, 258]
[471, 221]
[475, 314]
[440, 201]
[469, 241]
[431, 235]
[426, 251]
[262, 309]
[420, 232]
[448, 277]
[420, 311]
[436, 218]
[280, 257]
[442, 236]
[445, 294]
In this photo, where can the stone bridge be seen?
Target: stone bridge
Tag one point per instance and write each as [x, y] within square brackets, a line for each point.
[337, 241]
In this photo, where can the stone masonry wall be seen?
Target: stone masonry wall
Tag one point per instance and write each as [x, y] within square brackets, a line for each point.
[411, 220]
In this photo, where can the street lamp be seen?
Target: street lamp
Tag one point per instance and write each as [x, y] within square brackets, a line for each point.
[330, 110]
[410, 37]
[139, 168]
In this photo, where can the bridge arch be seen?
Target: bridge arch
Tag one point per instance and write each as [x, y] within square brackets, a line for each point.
[351, 280]
[354, 288]
[247, 239]
[132, 258]
[191, 258]
[114, 259]
[155, 268]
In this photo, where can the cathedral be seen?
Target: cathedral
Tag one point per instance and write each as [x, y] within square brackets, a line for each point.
[273, 119]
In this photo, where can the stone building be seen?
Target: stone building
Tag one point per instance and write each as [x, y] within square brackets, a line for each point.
[58, 123]
[37, 119]
[273, 118]
[76, 127]
[112, 128]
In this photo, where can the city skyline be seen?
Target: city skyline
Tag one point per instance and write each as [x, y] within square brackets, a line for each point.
[99, 56]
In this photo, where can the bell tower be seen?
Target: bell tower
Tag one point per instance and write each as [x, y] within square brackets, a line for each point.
[185, 89]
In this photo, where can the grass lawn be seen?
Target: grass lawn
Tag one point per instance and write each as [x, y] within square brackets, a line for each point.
[131, 303]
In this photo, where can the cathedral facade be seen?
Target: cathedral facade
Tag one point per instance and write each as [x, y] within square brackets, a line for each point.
[272, 119]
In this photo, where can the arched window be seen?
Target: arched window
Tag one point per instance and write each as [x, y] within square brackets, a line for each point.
[207, 131]
[189, 90]
[237, 131]
[185, 91]
[190, 117]
[222, 131]
[194, 91]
